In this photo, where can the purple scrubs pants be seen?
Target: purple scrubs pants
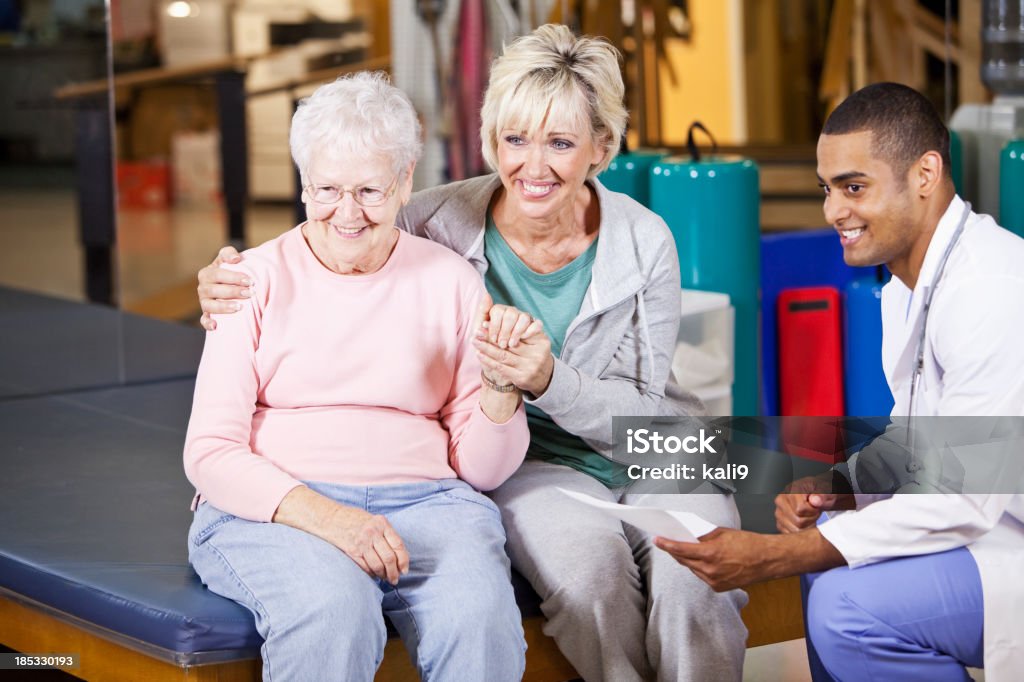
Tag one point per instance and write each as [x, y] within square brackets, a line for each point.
[913, 618]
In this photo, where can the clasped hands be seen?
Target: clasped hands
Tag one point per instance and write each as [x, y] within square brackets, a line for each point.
[512, 347]
[803, 501]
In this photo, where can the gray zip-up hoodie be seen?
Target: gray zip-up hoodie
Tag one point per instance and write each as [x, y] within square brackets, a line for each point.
[617, 355]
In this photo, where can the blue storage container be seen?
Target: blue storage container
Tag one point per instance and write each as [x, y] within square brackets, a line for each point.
[805, 258]
[867, 393]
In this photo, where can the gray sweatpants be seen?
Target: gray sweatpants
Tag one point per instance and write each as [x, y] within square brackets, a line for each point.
[619, 608]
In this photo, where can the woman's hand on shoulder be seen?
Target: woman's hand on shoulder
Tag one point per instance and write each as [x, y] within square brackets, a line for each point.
[219, 289]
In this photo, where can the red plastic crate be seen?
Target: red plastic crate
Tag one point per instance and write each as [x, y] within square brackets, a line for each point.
[143, 184]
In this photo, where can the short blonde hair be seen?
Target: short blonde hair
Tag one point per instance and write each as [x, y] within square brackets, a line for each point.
[360, 114]
[551, 72]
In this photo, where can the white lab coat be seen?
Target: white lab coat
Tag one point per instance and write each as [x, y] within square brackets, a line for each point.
[973, 365]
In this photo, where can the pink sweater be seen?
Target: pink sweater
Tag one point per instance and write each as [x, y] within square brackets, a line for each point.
[359, 380]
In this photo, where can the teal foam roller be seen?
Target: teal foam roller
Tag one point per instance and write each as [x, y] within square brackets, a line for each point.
[712, 207]
[630, 173]
[956, 158]
[1011, 187]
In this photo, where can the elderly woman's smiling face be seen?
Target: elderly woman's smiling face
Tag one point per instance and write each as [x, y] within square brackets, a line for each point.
[351, 206]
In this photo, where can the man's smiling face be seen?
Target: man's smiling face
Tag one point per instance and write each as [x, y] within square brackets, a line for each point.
[869, 204]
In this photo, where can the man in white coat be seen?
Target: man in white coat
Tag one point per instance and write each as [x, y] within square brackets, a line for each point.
[921, 585]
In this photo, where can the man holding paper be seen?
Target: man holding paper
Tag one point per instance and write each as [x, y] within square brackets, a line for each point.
[920, 586]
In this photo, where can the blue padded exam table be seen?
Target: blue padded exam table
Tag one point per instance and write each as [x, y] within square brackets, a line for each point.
[94, 504]
[50, 345]
[95, 511]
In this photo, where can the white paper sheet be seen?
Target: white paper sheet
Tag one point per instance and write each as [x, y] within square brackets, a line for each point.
[674, 525]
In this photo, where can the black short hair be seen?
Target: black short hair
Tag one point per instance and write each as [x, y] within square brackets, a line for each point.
[905, 124]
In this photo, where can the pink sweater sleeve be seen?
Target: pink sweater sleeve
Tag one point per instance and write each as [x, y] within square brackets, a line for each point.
[482, 453]
[218, 459]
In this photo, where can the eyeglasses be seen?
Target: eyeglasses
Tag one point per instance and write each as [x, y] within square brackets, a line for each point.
[368, 196]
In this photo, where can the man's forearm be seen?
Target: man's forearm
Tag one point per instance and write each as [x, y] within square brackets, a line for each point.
[804, 552]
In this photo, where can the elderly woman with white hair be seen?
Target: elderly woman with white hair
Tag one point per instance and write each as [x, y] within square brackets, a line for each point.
[339, 425]
[601, 273]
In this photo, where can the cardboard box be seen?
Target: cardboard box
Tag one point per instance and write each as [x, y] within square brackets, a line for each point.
[161, 111]
[272, 177]
[195, 165]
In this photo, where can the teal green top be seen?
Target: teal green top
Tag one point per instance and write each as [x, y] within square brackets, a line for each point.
[555, 299]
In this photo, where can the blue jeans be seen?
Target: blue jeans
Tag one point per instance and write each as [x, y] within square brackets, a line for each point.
[913, 618]
[321, 617]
